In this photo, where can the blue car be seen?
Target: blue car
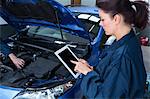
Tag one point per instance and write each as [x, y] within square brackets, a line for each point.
[36, 29]
[88, 16]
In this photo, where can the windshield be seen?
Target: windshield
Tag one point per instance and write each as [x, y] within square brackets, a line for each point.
[55, 33]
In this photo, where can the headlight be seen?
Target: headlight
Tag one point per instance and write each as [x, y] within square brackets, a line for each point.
[44, 93]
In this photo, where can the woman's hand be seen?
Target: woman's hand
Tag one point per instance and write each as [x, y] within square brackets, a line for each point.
[19, 63]
[82, 66]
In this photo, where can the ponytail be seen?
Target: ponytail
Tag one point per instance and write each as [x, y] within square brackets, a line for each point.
[141, 14]
[134, 12]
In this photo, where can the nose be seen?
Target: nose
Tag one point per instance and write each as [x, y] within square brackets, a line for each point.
[100, 23]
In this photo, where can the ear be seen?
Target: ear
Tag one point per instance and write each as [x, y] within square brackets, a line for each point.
[117, 19]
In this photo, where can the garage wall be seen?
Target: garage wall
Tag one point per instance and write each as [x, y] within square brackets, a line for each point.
[83, 2]
[64, 2]
[146, 32]
[146, 57]
[88, 2]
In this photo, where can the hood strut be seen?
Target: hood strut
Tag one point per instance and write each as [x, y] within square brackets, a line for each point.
[57, 18]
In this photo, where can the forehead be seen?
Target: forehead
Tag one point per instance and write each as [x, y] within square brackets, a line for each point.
[103, 14]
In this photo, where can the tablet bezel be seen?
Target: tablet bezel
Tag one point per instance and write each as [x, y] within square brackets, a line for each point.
[61, 50]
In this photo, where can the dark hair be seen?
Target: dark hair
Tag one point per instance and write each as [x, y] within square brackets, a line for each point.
[134, 12]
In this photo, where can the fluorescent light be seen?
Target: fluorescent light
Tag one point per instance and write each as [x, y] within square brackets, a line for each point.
[94, 19]
[84, 16]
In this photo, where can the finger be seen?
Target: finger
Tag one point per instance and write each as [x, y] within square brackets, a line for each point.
[21, 62]
[82, 60]
[76, 70]
[74, 62]
[21, 65]
[18, 66]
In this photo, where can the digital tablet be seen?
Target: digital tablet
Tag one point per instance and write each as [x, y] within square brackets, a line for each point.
[65, 55]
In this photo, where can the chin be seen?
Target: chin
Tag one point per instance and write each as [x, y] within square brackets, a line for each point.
[108, 33]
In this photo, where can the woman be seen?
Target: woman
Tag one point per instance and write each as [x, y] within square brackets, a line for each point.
[120, 72]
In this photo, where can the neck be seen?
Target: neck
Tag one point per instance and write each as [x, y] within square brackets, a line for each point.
[122, 31]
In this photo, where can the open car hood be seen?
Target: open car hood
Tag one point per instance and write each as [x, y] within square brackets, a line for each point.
[19, 13]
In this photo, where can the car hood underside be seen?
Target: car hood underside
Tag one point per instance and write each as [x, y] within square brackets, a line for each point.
[19, 13]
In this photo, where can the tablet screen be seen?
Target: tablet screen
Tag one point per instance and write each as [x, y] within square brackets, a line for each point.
[66, 56]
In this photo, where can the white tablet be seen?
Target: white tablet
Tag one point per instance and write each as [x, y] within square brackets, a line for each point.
[65, 55]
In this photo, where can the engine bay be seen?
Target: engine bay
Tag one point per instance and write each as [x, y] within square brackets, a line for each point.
[38, 65]
[42, 68]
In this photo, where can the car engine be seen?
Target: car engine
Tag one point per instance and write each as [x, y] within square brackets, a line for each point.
[41, 65]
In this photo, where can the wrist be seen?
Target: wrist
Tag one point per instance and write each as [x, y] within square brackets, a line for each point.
[12, 56]
[87, 71]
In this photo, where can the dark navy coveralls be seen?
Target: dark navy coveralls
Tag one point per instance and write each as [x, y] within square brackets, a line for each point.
[120, 72]
[4, 48]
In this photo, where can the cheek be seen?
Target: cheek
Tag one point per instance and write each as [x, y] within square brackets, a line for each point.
[107, 25]
[108, 28]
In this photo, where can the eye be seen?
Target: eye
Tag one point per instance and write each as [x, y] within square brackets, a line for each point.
[102, 19]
